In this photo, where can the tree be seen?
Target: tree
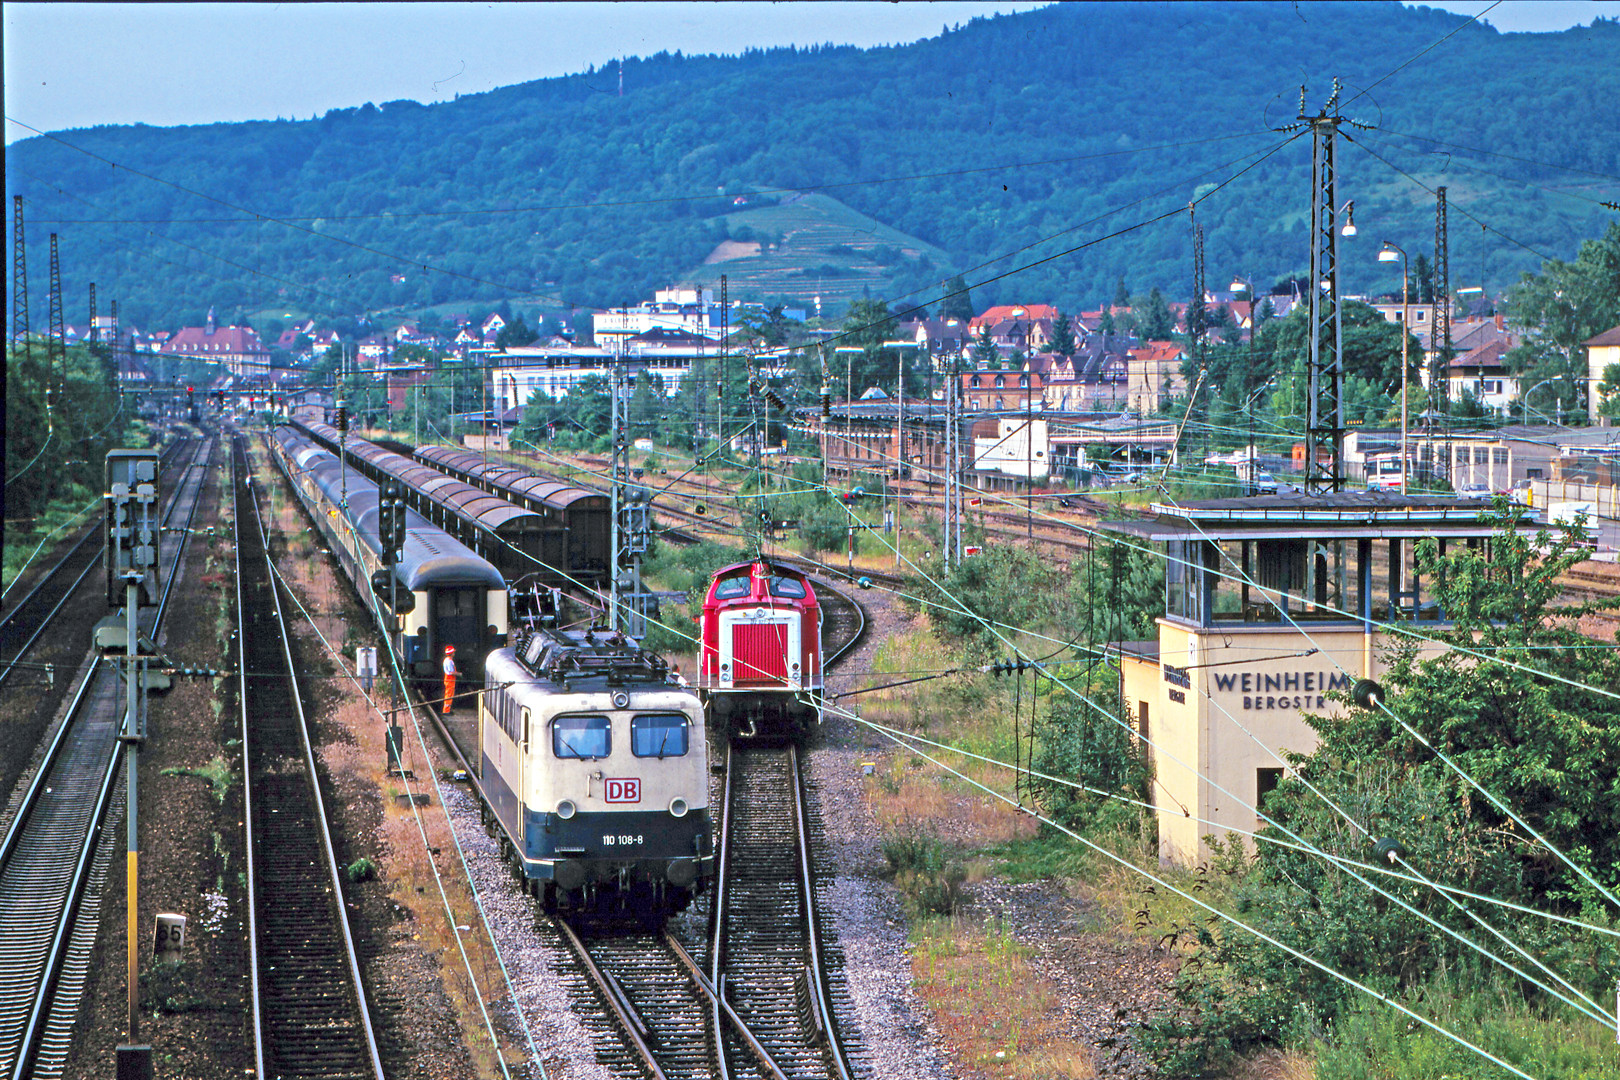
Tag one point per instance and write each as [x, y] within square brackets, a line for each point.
[1609, 392]
[957, 304]
[1122, 295]
[1420, 290]
[1156, 323]
[1558, 309]
[515, 332]
[1106, 324]
[868, 325]
[985, 353]
[1063, 342]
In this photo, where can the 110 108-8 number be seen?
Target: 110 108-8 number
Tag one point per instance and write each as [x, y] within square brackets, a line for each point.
[620, 839]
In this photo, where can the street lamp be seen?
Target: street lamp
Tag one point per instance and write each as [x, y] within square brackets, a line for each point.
[1387, 254]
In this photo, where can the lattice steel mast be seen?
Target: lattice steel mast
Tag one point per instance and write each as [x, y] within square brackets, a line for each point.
[1324, 401]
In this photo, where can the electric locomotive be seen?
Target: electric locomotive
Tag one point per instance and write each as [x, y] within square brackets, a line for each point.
[593, 765]
[760, 669]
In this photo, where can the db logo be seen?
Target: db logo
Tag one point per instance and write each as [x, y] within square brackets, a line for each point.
[624, 790]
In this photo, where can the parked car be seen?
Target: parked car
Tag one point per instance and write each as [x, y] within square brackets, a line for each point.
[1474, 491]
[1265, 484]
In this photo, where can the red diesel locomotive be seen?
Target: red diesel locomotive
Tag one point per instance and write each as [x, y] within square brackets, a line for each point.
[760, 671]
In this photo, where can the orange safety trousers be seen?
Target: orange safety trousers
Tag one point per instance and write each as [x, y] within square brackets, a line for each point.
[449, 691]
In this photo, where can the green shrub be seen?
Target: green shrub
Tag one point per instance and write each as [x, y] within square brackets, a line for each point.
[925, 869]
[362, 869]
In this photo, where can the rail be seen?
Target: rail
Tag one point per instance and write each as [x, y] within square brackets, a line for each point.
[309, 1010]
[51, 861]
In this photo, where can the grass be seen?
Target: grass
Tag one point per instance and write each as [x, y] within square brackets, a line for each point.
[218, 772]
[998, 1011]
[814, 232]
[62, 517]
[1376, 1043]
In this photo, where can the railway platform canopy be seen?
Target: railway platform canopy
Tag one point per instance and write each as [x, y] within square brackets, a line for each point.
[1273, 607]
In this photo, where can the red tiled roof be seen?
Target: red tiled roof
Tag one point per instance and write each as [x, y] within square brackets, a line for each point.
[1002, 312]
[1157, 350]
[1488, 355]
[1608, 337]
[226, 340]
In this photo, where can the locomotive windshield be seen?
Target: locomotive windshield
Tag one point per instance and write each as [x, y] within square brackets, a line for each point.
[732, 587]
[788, 587]
[587, 735]
[658, 735]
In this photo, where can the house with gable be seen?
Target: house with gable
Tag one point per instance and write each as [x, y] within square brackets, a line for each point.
[1153, 375]
[236, 348]
[1479, 364]
[1601, 351]
[1093, 378]
[1008, 312]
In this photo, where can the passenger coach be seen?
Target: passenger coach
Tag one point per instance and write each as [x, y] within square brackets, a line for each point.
[446, 593]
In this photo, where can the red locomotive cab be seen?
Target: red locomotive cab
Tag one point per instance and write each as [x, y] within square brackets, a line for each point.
[761, 631]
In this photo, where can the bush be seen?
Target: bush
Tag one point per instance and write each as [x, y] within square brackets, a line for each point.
[362, 869]
[925, 869]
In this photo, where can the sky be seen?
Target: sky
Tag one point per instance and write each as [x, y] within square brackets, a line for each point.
[73, 65]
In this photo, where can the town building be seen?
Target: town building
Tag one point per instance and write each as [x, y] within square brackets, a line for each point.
[1153, 376]
[236, 348]
[685, 308]
[1601, 351]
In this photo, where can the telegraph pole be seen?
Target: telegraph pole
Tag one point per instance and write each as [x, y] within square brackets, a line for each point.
[19, 325]
[1198, 295]
[56, 344]
[631, 524]
[1440, 328]
[1324, 421]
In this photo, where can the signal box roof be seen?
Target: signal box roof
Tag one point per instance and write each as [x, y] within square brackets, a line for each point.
[1345, 515]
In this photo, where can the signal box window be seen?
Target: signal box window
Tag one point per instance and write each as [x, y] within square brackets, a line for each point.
[581, 736]
[658, 735]
[732, 587]
[1265, 782]
[787, 587]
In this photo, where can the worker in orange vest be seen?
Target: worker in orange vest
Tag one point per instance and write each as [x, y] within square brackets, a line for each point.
[449, 677]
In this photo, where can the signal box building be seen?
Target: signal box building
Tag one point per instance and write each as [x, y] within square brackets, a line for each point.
[1272, 604]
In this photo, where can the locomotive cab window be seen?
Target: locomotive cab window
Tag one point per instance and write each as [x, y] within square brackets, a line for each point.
[658, 735]
[732, 587]
[586, 735]
[787, 587]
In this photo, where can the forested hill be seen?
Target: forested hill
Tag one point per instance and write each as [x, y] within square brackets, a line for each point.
[1052, 128]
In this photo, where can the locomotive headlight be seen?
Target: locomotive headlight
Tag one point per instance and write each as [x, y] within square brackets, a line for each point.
[566, 809]
[725, 669]
[621, 700]
[677, 807]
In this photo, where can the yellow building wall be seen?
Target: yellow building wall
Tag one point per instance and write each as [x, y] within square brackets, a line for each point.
[1217, 700]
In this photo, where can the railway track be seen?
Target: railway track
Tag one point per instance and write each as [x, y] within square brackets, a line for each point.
[767, 983]
[53, 863]
[766, 952]
[309, 1012]
[25, 624]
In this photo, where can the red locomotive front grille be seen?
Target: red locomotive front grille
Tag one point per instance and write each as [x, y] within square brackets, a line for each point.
[759, 652]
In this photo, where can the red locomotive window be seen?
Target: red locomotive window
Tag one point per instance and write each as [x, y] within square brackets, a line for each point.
[732, 587]
[787, 587]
